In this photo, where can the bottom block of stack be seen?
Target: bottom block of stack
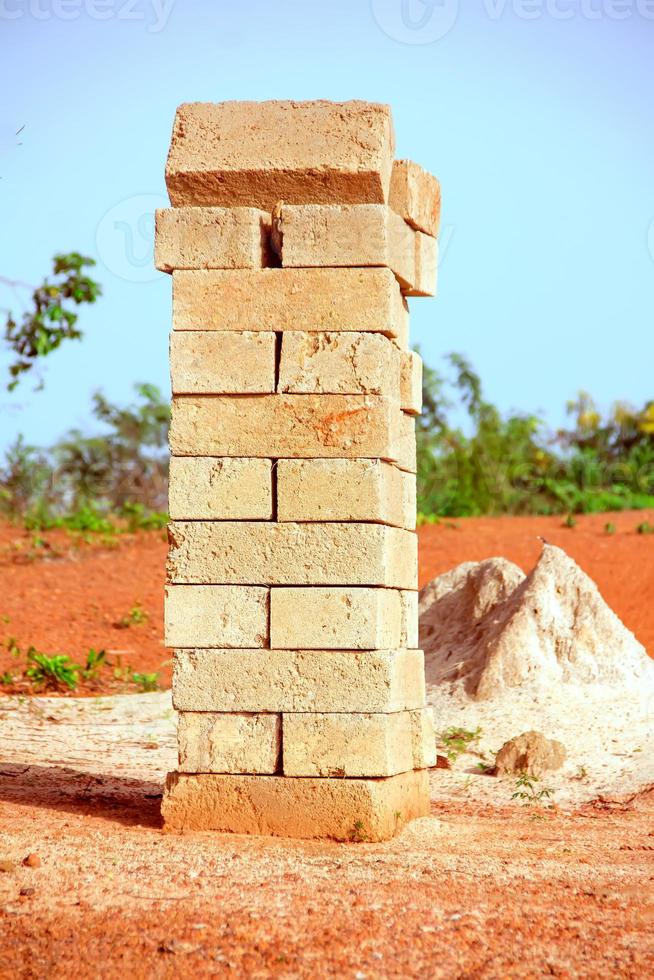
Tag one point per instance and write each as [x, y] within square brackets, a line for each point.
[287, 806]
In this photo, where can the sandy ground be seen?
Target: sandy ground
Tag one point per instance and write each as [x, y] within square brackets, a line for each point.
[474, 890]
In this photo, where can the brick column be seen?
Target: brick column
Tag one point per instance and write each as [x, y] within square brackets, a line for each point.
[292, 598]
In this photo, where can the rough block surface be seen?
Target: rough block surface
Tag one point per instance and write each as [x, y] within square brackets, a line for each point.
[216, 616]
[236, 743]
[258, 153]
[425, 282]
[344, 490]
[335, 619]
[292, 426]
[346, 235]
[222, 363]
[415, 194]
[340, 809]
[409, 613]
[290, 299]
[268, 553]
[423, 738]
[203, 488]
[332, 745]
[211, 238]
[298, 680]
[411, 382]
[339, 363]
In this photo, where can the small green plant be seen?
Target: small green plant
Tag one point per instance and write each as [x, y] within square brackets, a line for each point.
[526, 790]
[95, 660]
[135, 617]
[55, 671]
[6, 678]
[358, 832]
[12, 647]
[609, 527]
[146, 682]
[570, 521]
[645, 528]
[139, 518]
[455, 741]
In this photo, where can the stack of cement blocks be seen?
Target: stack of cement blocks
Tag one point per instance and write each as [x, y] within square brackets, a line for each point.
[292, 605]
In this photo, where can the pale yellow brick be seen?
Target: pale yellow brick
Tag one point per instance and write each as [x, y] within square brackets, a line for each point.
[294, 426]
[423, 739]
[211, 238]
[345, 490]
[335, 619]
[222, 362]
[258, 153]
[409, 613]
[344, 235]
[290, 299]
[339, 363]
[270, 553]
[426, 266]
[411, 382]
[216, 616]
[235, 743]
[339, 809]
[416, 195]
[409, 501]
[298, 680]
[348, 745]
[406, 443]
[228, 489]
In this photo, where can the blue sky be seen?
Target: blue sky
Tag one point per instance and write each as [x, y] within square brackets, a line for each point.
[537, 117]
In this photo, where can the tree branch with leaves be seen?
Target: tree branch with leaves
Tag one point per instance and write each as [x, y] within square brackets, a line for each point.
[52, 317]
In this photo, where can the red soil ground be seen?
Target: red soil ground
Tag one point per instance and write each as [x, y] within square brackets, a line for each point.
[68, 595]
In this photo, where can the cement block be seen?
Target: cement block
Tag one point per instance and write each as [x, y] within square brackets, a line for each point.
[216, 616]
[222, 363]
[257, 153]
[409, 619]
[228, 489]
[416, 196]
[298, 680]
[339, 363]
[341, 235]
[347, 745]
[292, 426]
[211, 238]
[339, 809]
[405, 444]
[423, 739]
[235, 743]
[270, 553]
[335, 619]
[290, 299]
[411, 382]
[345, 490]
[425, 282]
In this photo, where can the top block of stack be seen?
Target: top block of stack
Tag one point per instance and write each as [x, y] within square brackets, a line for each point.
[254, 154]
